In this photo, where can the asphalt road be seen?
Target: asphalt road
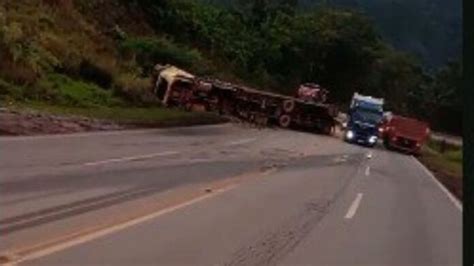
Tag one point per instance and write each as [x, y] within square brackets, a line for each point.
[219, 195]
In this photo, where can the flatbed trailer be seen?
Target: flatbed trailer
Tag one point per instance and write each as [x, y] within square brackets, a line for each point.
[175, 87]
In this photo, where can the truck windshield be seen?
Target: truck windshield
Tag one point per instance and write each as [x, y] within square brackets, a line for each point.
[367, 116]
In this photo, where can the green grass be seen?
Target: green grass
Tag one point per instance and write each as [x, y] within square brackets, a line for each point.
[77, 93]
[449, 162]
[63, 95]
[436, 145]
[447, 166]
[140, 116]
[454, 156]
[57, 89]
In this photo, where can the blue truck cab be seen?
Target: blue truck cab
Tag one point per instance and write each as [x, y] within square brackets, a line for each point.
[364, 117]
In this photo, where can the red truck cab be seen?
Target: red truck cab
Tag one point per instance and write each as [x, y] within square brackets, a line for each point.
[404, 134]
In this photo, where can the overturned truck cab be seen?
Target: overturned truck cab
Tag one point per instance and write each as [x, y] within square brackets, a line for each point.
[172, 86]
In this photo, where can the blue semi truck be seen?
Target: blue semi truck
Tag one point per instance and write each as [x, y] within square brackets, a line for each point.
[364, 118]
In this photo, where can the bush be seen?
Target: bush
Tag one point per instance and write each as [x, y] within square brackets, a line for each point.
[17, 73]
[63, 90]
[455, 156]
[9, 91]
[149, 51]
[135, 89]
[96, 74]
[22, 59]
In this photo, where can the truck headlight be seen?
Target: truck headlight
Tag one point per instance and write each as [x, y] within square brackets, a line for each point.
[349, 134]
[373, 139]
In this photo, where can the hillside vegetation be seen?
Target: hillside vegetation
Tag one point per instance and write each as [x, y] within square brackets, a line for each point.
[85, 54]
[430, 29]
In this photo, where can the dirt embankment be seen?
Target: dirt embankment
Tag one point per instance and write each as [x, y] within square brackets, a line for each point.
[34, 123]
[452, 181]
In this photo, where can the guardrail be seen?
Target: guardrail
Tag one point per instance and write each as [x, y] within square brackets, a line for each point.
[451, 140]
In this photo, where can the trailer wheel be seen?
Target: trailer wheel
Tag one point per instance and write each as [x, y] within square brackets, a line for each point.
[223, 107]
[288, 106]
[284, 121]
[188, 107]
[252, 118]
[327, 129]
[386, 143]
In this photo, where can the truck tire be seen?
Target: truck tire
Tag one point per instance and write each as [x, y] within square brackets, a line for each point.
[386, 143]
[188, 107]
[288, 106]
[327, 129]
[284, 121]
[224, 107]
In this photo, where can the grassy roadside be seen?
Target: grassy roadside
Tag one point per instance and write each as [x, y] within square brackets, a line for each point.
[75, 99]
[134, 116]
[446, 166]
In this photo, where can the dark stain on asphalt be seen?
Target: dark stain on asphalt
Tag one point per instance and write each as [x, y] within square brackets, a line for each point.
[144, 184]
[215, 170]
[278, 242]
[269, 249]
[193, 131]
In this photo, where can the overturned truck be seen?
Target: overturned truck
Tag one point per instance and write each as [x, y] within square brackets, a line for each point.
[177, 88]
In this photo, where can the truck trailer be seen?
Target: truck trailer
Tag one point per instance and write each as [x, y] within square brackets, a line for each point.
[404, 134]
[364, 117]
[177, 88]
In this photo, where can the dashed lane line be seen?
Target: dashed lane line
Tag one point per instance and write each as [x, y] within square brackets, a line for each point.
[367, 170]
[354, 206]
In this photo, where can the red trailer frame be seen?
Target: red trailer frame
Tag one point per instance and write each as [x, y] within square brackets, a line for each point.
[184, 90]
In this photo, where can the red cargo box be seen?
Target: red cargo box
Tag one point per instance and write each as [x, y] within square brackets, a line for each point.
[404, 134]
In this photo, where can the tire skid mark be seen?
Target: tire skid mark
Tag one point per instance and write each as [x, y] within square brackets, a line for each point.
[66, 206]
[13, 224]
[276, 244]
[272, 247]
[29, 220]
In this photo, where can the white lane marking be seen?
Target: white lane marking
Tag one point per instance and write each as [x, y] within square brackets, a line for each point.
[451, 197]
[354, 206]
[113, 229]
[132, 158]
[99, 133]
[367, 171]
[340, 160]
[242, 141]
[201, 160]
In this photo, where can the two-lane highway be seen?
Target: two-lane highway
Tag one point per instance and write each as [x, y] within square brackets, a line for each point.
[219, 195]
